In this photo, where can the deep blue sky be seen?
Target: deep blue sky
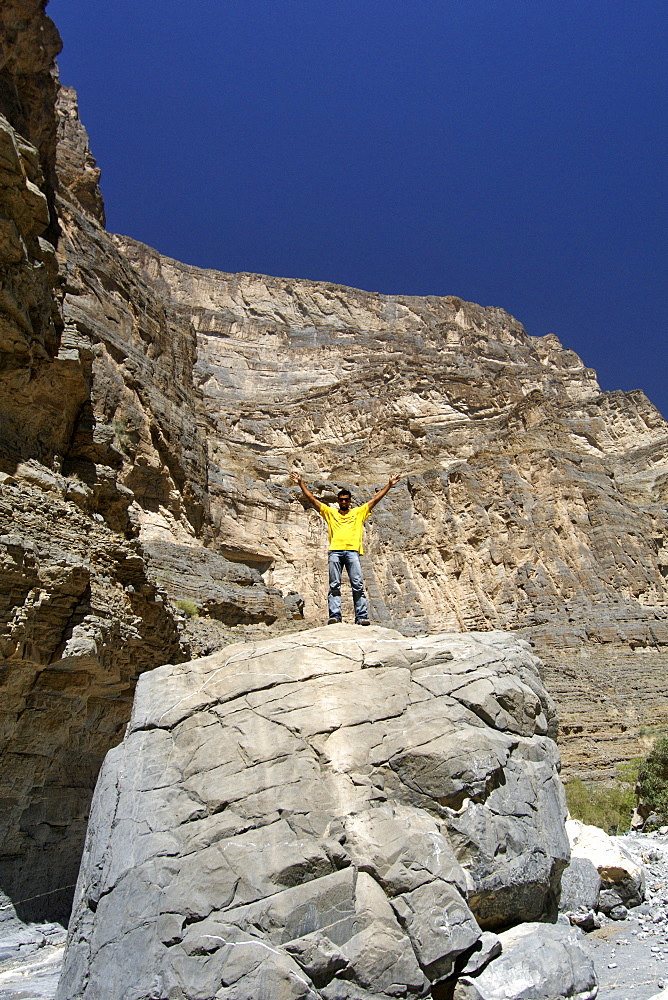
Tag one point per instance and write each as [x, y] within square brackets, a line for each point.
[511, 152]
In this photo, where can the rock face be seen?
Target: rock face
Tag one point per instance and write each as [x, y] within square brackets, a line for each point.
[337, 813]
[149, 414]
[78, 608]
[533, 500]
[100, 453]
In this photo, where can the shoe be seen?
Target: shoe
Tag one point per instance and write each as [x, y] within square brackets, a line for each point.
[363, 621]
[334, 620]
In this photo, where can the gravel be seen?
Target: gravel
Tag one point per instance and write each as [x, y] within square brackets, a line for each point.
[631, 956]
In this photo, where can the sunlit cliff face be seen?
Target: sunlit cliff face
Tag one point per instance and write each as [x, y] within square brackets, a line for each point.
[531, 499]
[151, 413]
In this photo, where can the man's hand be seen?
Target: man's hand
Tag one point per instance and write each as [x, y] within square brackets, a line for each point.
[298, 481]
[392, 481]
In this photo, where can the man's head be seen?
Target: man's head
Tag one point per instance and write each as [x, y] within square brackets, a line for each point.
[344, 500]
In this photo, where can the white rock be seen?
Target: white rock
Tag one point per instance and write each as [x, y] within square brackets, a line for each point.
[614, 864]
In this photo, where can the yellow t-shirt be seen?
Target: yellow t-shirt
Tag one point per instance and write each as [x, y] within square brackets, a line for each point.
[345, 530]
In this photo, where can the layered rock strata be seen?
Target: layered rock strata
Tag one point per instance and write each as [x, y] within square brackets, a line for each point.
[338, 813]
[532, 501]
[149, 414]
[101, 453]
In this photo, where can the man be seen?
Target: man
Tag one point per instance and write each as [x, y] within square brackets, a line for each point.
[345, 527]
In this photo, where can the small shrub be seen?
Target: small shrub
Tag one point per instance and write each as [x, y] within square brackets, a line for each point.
[188, 607]
[122, 439]
[653, 779]
[609, 807]
[654, 731]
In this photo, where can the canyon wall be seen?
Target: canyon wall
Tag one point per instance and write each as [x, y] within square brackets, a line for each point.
[79, 615]
[150, 413]
[84, 345]
[532, 500]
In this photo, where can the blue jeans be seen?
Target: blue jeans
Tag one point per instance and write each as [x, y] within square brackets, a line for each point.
[351, 560]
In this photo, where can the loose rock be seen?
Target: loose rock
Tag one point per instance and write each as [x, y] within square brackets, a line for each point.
[537, 961]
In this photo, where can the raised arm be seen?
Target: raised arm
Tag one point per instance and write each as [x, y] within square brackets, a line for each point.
[296, 478]
[393, 480]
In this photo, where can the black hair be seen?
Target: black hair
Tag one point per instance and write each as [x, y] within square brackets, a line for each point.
[344, 493]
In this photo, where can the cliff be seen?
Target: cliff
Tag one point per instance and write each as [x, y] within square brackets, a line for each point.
[149, 415]
[533, 501]
[80, 616]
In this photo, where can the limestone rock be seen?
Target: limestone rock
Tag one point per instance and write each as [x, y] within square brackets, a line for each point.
[149, 414]
[487, 947]
[79, 618]
[29, 316]
[320, 815]
[28, 84]
[580, 885]
[538, 962]
[532, 500]
[78, 174]
[586, 920]
[227, 591]
[622, 878]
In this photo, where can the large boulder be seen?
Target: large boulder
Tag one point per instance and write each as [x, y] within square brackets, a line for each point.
[538, 962]
[580, 886]
[622, 878]
[332, 814]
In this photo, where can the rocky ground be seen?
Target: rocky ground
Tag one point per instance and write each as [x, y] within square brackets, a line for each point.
[631, 956]
[32, 977]
[30, 956]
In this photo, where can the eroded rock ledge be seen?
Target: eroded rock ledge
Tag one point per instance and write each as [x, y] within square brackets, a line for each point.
[340, 813]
